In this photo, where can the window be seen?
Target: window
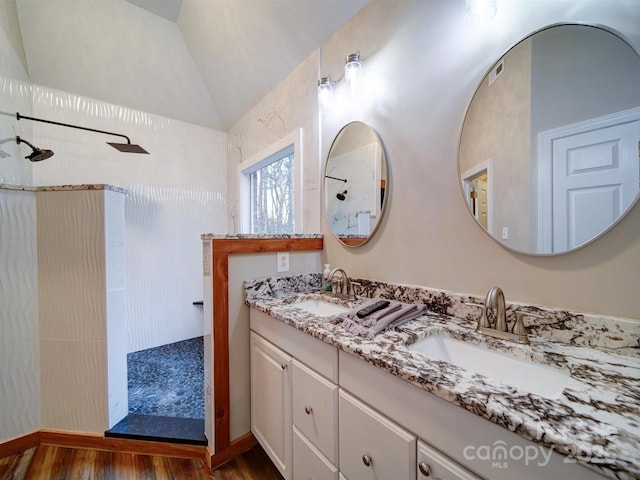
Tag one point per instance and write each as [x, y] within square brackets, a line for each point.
[272, 194]
[270, 189]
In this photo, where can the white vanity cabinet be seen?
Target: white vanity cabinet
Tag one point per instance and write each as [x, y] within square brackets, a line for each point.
[318, 422]
[271, 402]
[310, 381]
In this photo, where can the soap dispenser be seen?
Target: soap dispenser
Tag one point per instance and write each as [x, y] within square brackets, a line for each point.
[326, 282]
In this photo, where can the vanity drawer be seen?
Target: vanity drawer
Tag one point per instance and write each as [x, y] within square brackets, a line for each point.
[433, 464]
[372, 447]
[309, 463]
[315, 409]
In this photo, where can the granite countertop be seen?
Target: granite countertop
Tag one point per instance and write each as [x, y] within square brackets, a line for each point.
[62, 188]
[257, 236]
[596, 419]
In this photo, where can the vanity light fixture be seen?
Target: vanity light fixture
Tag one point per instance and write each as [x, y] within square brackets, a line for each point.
[352, 74]
[480, 11]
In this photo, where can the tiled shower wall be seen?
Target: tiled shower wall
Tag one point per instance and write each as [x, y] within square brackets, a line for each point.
[174, 195]
[19, 346]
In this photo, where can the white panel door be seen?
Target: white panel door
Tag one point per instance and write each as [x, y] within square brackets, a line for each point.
[595, 179]
[271, 402]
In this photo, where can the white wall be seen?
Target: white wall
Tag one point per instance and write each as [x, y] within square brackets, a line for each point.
[290, 106]
[81, 280]
[248, 267]
[19, 349]
[423, 62]
[175, 194]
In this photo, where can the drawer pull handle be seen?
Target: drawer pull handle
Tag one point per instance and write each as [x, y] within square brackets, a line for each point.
[424, 469]
[308, 410]
[283, 365]
[366, 459]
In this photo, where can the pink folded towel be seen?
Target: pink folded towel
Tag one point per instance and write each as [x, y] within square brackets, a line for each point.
[394, 315]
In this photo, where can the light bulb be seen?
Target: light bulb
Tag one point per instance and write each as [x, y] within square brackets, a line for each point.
[352, 71]
[325, 93]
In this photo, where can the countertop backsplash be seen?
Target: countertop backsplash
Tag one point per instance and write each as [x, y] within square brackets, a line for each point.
[609, 334]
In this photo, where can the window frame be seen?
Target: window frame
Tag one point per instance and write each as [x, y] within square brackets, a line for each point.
[287, 145]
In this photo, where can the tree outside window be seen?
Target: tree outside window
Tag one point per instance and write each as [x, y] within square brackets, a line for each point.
[272, 197]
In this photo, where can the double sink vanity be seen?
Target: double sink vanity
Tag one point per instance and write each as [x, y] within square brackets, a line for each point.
[434, 397]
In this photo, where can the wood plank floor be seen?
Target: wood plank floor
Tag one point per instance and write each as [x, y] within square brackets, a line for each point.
[59, 463]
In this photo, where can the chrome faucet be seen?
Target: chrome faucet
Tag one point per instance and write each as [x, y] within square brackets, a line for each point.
[341, 288]
[493, 321]
[494, 304]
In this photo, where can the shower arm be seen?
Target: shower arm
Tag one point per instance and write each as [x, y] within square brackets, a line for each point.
[336, 178]
[19, 117]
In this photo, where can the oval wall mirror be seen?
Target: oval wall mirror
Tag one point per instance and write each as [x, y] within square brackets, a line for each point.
[355, 184]
[548, 154]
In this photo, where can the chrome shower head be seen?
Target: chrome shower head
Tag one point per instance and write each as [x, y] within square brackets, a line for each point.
[38, 154]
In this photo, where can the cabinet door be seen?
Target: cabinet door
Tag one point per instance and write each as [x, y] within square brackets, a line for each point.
[371, 446]
[315, 409]
[433, 464]
[271, 402]
[309, 463]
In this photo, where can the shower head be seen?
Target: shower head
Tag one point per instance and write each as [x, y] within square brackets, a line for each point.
[341, 196]
[127, 147]
[38, 154]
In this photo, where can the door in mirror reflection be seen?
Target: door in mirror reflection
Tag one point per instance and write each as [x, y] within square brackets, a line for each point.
[477, 188]
[595, 177]
[557, 116]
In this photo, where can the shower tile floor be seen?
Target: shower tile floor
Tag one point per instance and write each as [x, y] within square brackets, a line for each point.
[166, 394]
[168, 381]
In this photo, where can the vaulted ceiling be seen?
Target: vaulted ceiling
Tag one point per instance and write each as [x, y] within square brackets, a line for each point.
[202, 61]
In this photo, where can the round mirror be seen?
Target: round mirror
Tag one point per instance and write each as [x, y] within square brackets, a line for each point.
[548, 154]
[355, 184]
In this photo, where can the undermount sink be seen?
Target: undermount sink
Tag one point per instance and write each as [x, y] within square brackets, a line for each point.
[321, 308]
[524, 375]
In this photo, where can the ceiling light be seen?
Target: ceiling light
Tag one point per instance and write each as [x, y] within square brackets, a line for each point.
[480, 11]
